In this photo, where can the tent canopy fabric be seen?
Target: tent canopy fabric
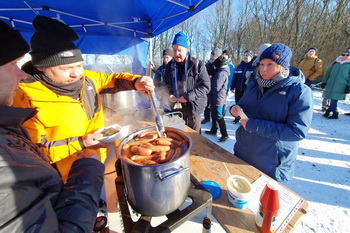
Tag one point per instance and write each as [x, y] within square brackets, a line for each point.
[104, 26]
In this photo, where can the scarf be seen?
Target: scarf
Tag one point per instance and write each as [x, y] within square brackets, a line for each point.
[175, 78]
[71, 89]
[267, 84]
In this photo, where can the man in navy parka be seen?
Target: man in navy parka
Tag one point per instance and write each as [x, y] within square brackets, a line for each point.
[279, 108]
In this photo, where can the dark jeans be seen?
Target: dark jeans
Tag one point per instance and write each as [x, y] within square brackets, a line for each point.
[238, 96]
[207, 112]
[333, 106]
[218, 120]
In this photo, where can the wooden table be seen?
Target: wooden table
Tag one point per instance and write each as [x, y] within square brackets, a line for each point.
[207, 163]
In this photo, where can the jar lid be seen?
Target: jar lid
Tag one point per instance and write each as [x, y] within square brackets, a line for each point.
[213, 188]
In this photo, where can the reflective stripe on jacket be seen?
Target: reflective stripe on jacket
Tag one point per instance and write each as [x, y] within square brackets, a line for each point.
[62, 120]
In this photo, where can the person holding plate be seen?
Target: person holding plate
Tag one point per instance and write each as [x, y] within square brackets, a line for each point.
[279, 108]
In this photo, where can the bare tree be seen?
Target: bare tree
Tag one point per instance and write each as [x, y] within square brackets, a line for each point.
[240, 25]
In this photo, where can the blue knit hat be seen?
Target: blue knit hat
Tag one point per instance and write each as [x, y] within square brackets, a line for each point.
[181, 39]
[279, 53]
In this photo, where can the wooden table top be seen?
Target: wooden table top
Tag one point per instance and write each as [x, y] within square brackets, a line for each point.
[207, 163]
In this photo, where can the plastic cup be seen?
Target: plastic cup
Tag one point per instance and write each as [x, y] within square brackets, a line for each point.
[239, 191]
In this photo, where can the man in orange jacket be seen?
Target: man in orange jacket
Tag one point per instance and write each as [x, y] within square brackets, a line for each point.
[66, 96]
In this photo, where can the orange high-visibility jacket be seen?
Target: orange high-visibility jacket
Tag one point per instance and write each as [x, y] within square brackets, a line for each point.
[62, 120]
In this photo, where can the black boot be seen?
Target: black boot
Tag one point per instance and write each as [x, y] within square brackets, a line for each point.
[210, 132]
[326, 114]
[236, 120]
[334, 116]
[214, 127]
[222, 126]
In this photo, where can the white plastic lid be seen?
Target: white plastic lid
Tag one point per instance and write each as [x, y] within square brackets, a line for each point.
[272, 184]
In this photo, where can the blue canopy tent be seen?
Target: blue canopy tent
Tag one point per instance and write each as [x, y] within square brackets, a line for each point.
[104, 26]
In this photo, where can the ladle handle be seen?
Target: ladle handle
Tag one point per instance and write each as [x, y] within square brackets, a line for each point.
[159, 120]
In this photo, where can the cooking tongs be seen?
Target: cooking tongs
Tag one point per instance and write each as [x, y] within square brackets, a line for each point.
[159, 120]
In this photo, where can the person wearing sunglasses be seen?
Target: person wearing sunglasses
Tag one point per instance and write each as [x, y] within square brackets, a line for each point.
[336, 83]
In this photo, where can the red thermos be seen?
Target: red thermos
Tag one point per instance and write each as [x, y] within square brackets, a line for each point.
[266, 217]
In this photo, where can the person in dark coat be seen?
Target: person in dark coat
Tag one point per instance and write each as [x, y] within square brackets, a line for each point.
[33, 196]
[161, 94]
[188, 82]
[279, 108]
[211, 70]
[243, 70]
[217, 97]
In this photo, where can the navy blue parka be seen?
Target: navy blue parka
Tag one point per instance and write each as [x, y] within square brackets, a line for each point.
[278, 120]
[239, 78]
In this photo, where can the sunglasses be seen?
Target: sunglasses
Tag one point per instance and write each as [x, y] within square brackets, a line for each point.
[346, 54]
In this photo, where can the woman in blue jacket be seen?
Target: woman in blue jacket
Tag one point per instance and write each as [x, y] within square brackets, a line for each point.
[279, 109]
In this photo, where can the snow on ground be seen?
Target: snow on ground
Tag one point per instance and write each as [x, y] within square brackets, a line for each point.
[322, 169]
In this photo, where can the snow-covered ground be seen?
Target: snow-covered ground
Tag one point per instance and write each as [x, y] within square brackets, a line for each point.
[322, 172]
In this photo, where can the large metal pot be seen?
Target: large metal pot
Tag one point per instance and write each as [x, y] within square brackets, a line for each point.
[125, 100]
[156, 190]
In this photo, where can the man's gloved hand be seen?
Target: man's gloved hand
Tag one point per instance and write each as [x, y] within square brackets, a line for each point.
[323, 85]
[347, 90]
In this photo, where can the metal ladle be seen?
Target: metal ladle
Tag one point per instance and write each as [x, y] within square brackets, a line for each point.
[159, 120]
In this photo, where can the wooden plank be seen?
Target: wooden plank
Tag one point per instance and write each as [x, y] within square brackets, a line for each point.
[208, 162]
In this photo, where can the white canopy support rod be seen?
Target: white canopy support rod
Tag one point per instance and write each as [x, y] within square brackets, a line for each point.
[164, 18]
[150, 55]
[98, 23]
[15, 20]
[178, 3]
[198, 3]
[30, 7]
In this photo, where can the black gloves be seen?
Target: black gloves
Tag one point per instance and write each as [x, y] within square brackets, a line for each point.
[323, 85]
[347, 90]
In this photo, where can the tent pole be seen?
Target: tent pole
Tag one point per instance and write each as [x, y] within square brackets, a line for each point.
[151, 64]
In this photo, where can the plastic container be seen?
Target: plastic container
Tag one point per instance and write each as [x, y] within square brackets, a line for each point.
[239, 191]
[266, 217]
[213, 188]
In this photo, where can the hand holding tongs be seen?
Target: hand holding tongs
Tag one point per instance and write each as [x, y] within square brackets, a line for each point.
[159, 120]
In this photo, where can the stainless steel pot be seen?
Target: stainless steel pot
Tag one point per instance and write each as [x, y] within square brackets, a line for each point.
[156, 190]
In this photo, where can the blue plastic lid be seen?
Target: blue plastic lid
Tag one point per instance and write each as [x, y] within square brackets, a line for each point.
[212, 187]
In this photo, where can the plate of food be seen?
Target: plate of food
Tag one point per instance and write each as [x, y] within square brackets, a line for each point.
[110, 133]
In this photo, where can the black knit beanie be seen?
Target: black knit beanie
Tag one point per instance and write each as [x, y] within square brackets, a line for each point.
[52, 43]
[168, 52]
[313, 49]
[13, 45]
[220, 61]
